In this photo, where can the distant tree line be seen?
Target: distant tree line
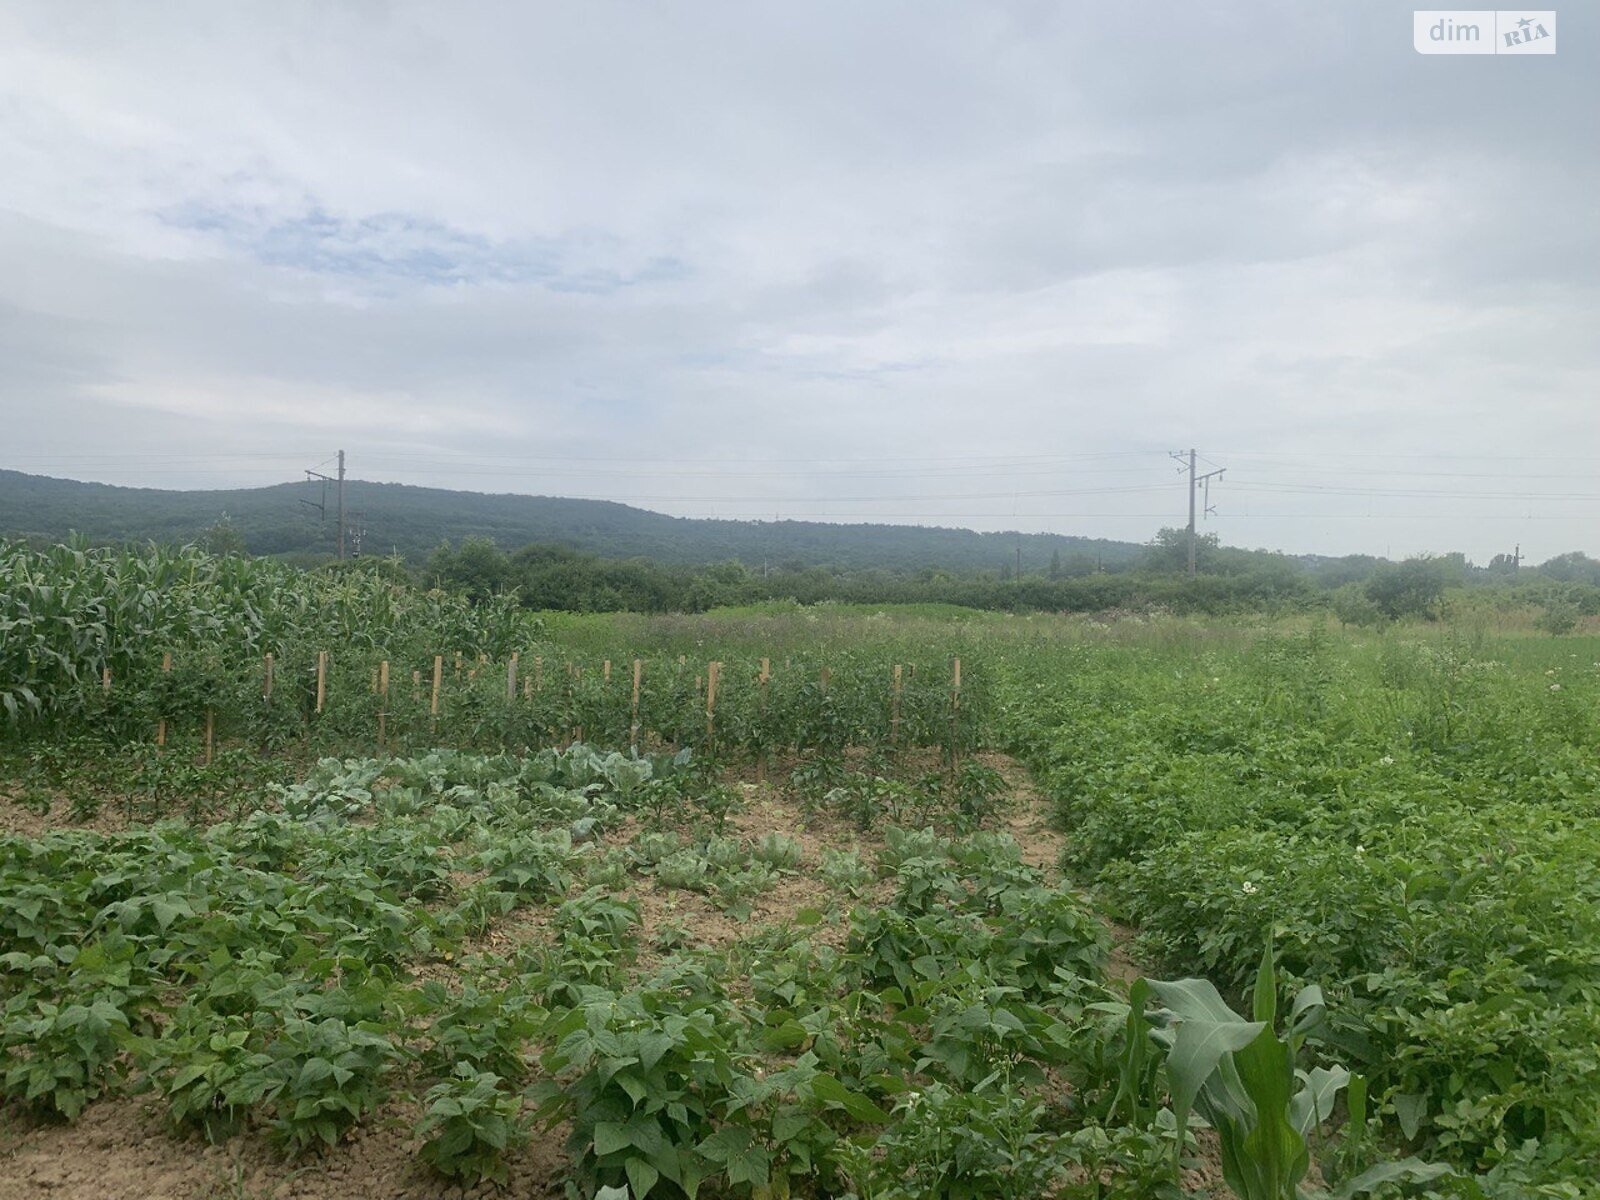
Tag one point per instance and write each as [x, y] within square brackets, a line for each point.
[1359, 590]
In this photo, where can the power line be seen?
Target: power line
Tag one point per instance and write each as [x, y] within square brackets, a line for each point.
[635, 472]
[1324, 489]
[999, 459]
[437, 452]
[1103, 491]
[1426, 455]
[766, 515]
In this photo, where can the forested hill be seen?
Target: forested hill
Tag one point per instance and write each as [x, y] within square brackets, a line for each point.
[414, 520]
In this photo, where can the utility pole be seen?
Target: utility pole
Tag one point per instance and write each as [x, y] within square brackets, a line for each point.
[1191, 512]
[1019, 560]
[1194, 482]
[322, 505]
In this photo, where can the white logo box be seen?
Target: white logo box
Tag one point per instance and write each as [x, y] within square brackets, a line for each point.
[1484, 31]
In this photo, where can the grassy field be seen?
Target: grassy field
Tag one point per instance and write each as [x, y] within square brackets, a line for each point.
[856, 940]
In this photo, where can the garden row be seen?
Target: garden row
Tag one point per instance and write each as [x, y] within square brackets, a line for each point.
[1416, 824]
[202, 652]
[935, 1024]
[344, 700]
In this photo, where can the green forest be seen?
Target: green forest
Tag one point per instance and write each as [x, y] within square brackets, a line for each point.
[299, 521]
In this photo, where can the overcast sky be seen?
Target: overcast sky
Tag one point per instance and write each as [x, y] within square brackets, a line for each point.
[978, 264]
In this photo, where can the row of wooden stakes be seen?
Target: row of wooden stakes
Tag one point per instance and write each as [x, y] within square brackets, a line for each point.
[534, 683]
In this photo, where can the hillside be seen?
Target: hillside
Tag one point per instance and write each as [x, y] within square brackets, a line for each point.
[413, 520]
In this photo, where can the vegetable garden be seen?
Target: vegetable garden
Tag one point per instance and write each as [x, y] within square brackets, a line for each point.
[753, 905]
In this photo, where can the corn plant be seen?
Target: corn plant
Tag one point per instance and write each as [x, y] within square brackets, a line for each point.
[1240, 1075]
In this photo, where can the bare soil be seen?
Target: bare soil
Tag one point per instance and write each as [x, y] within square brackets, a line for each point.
[28, 821]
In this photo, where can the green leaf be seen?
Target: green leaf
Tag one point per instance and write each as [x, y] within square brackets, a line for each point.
[834, 1094]
[1410, 1109]
[1207, 1030]
[1406, 1170]
[1273, 1150]
[642, 1177]
[1313, 1104]
[166, 912]
[636, 1088]
[1265, 1001]
[784, 1036]
[744, 1160]
[1356, 1100]
[1135, 1053]
[314, 1072]
[644, 1133]
[609, 1137]
[187, 1076]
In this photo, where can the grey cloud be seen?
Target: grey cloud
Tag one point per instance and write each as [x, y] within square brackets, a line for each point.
[446, 234]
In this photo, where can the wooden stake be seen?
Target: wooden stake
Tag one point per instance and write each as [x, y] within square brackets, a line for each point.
[322, 678]
[894, 720]
[605, 671]
[211, 724]
[438, 680]
[383, 702]
[955, 711]
[538, 673]
[161, 725]
[638, 676]
[458, 666]
[105, 680]
[511, 678]
[266, 687]
[823, 680]
[713, 673]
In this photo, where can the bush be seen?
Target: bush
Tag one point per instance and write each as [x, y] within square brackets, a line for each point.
[1413, 588]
